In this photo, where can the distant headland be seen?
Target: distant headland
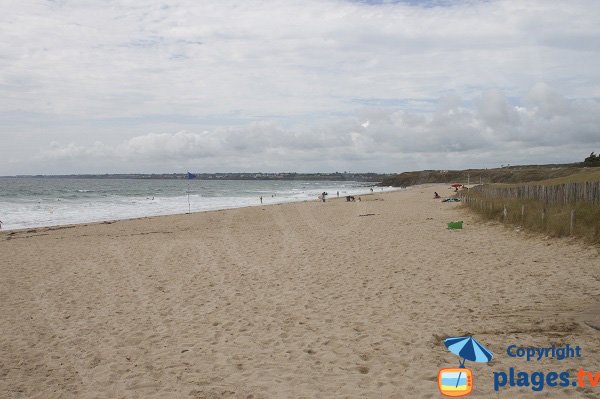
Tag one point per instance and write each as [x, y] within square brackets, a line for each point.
[336, 176]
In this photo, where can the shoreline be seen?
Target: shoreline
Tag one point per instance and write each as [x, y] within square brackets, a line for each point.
[110, 221]
[304, 299]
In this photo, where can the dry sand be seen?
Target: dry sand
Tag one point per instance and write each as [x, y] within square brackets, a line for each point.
[308, 300]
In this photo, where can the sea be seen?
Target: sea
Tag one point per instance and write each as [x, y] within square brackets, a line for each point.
[49, 201]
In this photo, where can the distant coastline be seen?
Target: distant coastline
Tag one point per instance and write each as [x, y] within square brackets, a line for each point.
[337, 176]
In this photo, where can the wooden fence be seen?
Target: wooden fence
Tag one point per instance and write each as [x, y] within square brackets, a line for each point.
[557, 210]
[557, 194]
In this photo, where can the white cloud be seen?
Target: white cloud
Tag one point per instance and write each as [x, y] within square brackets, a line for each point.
[301, 72]
[73, 151]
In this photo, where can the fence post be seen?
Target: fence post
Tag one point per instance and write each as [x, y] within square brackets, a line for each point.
[522, 213]
[572, 227]
[543, 215]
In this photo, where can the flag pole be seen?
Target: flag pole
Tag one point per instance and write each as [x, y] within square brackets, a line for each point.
[188, 194]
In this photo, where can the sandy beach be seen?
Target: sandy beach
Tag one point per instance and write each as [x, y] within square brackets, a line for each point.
[303, 300]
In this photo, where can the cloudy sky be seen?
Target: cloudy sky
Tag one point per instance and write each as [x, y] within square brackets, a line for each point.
[102, 86]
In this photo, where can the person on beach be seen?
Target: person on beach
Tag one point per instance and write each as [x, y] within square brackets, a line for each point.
[261, 199]
[323, 196]
[338, 194]
[0, 224]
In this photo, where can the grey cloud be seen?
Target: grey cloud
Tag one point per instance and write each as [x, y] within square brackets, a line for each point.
[495, 110]
[494, 125]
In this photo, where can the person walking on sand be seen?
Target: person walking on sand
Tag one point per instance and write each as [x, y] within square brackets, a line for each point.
[261, 199]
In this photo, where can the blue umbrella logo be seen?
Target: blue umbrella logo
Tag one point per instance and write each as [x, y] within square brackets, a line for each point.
[469, 349]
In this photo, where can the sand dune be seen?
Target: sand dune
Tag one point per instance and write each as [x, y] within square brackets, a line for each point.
[308, 300]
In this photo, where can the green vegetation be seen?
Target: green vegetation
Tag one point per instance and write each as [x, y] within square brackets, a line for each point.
[578, 175]
[536, 215]
[554, 220]
[510, 174]
[592, 160]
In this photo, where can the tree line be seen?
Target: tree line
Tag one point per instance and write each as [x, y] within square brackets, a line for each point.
[592, 160]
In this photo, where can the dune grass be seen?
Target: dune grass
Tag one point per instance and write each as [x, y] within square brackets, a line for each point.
[577, 176]
[508, 175]
[551, 220]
